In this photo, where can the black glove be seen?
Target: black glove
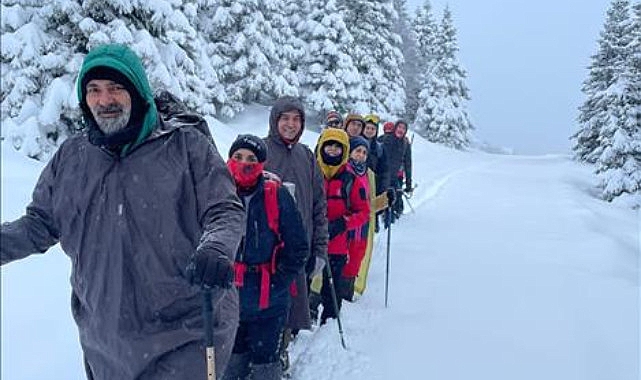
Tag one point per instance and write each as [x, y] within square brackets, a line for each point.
[211, 268]
[408, 188]
[336, 227]
[391, 196]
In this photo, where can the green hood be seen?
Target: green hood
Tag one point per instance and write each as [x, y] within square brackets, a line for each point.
[119, 57]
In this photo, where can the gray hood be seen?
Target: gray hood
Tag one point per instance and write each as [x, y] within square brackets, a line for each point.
[284, 104]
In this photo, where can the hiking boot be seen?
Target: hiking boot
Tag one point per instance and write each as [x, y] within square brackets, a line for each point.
[283, 352]
[315, 301]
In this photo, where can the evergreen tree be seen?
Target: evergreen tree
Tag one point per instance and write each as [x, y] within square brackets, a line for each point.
[244, 40]
[425, 30]
[424, 33]
[410, 68]
[442, 116]
[329, 80]
[161, 33]
[289, 48]
[377, 55]
[38, 68]
[619, 164]
[605, 70]
[253, 40]
[40, 92]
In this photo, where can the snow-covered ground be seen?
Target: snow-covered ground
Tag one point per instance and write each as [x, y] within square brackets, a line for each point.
[509, 268]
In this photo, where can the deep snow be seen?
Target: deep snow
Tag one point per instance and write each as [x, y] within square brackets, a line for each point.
[509, 268]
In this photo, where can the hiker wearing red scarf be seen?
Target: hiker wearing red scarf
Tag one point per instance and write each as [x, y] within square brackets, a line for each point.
[273, 251]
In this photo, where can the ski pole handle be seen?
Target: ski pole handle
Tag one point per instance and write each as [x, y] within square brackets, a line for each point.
[211, 363]
[208, 321]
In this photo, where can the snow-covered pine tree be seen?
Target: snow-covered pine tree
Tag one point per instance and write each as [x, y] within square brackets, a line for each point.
[289, 48]
[161, 33]
[604, 71]
[38, 69]
[619, 165]
[243, 37]
[377, 55]
[199, 13]
[43, 47]
[442, 116]
[328, 77]
[404, 29]
[425, 31]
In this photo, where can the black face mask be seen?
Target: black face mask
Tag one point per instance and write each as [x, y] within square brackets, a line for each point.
[331, 160]
[359, 167]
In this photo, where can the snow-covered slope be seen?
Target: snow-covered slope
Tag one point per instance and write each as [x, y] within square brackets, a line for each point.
[509, 268]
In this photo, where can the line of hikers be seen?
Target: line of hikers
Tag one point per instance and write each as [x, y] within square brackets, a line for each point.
[150, 215]
[340, 187]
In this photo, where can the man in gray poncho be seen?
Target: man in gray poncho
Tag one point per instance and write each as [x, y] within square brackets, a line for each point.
[147, 212]
[294, 162]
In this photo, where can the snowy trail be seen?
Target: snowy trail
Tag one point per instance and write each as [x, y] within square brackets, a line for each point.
[509, 269]
[436, 185]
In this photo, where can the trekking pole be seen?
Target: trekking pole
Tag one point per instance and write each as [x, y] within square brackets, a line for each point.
[407, 199]
[332, 289]
[389, 238]
[209, 334]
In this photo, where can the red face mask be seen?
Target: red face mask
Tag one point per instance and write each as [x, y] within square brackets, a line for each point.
[245, 173]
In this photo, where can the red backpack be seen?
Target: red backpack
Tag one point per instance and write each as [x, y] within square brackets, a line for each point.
[273, 216]
[270, 189]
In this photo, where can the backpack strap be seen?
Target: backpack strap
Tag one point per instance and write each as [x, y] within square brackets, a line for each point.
[271, 205]
[273, 220]
[273, 217]
[347, 178]
[240, 269]
[347, 182]
[266, 269]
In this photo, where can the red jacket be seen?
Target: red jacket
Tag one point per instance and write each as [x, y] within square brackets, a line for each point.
[353, 207]
[357, 238]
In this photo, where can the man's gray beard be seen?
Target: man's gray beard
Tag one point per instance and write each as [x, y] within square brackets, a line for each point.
[112, 125]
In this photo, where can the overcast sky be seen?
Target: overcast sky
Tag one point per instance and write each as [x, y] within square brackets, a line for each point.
[526, 61]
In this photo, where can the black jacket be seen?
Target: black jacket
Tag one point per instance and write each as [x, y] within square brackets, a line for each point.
[377, 161]
[399, 157]
[258, 246]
